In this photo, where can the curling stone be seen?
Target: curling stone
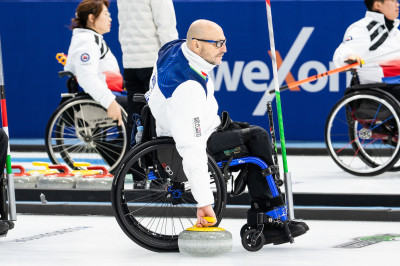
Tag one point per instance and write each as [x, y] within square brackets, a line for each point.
[83, 170]
[205, 241]
[64, 180]
[98, 181]
[23, 180]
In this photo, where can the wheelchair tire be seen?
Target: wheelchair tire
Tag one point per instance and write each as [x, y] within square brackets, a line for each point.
[153, 214]
[361, 133]
[80, 131]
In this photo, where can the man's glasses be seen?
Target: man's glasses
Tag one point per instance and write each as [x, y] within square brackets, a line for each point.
[218, 44]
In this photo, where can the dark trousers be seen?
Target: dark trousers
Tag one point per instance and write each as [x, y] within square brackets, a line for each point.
[259, 145]
[3, 157]
[136, 81]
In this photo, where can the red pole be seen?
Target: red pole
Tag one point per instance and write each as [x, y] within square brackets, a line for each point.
[10, 179]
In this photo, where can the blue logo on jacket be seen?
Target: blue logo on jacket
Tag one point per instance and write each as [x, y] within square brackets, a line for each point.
[85, 57]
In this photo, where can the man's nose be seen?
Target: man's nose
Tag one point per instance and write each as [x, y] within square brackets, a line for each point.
[223, 48]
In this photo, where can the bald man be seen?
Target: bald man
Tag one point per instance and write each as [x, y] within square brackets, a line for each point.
[181, 98]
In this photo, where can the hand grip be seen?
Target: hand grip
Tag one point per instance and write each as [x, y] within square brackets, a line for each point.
[41, 164]
[81, 164]
[210, 219]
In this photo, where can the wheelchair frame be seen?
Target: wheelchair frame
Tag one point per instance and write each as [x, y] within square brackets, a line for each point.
[70, 136]
[361, 155]
[252, 238]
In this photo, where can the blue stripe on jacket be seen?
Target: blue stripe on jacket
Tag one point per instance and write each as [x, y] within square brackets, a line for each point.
[173, 69]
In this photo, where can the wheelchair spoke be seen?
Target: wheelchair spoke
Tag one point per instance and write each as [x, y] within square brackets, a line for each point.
[104, 147]
[346, 146]
[138, 173]
[68, 148]
[341, 120]
[107, 144]
[382, 123]
[83, 119]
[144, 197]
[376, 114]
[146, 204]
[65, 121]
[74, 148]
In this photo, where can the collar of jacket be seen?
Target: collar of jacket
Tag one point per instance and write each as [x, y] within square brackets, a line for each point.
[201, 66]
[381, 18]
[84, 30]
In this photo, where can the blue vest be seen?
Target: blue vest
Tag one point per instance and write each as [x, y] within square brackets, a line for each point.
[173, 69]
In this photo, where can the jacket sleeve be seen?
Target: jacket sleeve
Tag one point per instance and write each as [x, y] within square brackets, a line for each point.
[185, 116]
[356, 41]
[164, 19]
[86, 56]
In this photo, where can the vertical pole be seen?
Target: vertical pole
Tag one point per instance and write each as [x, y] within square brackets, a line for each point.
[10, 178]
[287, 177]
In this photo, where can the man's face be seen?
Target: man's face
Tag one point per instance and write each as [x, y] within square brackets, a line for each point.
[210, 52]
[389, 8]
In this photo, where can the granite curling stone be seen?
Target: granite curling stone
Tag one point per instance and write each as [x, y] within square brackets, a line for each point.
[205, 241]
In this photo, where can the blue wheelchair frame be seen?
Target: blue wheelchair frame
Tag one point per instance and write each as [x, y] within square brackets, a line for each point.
[279, 212]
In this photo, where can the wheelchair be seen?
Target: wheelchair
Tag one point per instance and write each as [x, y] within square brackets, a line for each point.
[362, 130]
[152, 199]
[80, 131]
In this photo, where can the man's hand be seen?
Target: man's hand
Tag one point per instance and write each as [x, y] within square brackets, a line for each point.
[206, 211]
[354, 58]
[114, 112]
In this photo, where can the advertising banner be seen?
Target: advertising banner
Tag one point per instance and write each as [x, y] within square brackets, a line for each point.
[306, 36]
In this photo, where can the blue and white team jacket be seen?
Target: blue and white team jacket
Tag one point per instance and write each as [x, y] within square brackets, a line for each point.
[181, 98]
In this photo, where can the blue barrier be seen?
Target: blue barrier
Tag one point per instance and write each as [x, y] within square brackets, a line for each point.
[306, 35]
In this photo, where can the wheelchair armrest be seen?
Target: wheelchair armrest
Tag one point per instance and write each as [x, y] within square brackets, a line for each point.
[72, 83]
[62, 74]
[368, 86]
[139, 97]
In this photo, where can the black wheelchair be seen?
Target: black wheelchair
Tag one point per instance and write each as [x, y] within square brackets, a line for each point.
[80, 131]
[152, 198]
[362, 130]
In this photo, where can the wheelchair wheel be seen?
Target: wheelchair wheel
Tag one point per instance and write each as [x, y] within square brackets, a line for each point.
[153, 213]
[361, 133]
[80, 131]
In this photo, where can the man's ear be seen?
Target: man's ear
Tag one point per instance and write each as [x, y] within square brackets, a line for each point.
[196, 44]
[377, 6]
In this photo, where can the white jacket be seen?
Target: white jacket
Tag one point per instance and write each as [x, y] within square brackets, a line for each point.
[181, 99]
[89, 58]
[144, 26]
[369, 38]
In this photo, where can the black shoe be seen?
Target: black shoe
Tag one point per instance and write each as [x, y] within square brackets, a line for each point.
[302, 224]
[278, 235]
[10, 225]
[4, 227]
